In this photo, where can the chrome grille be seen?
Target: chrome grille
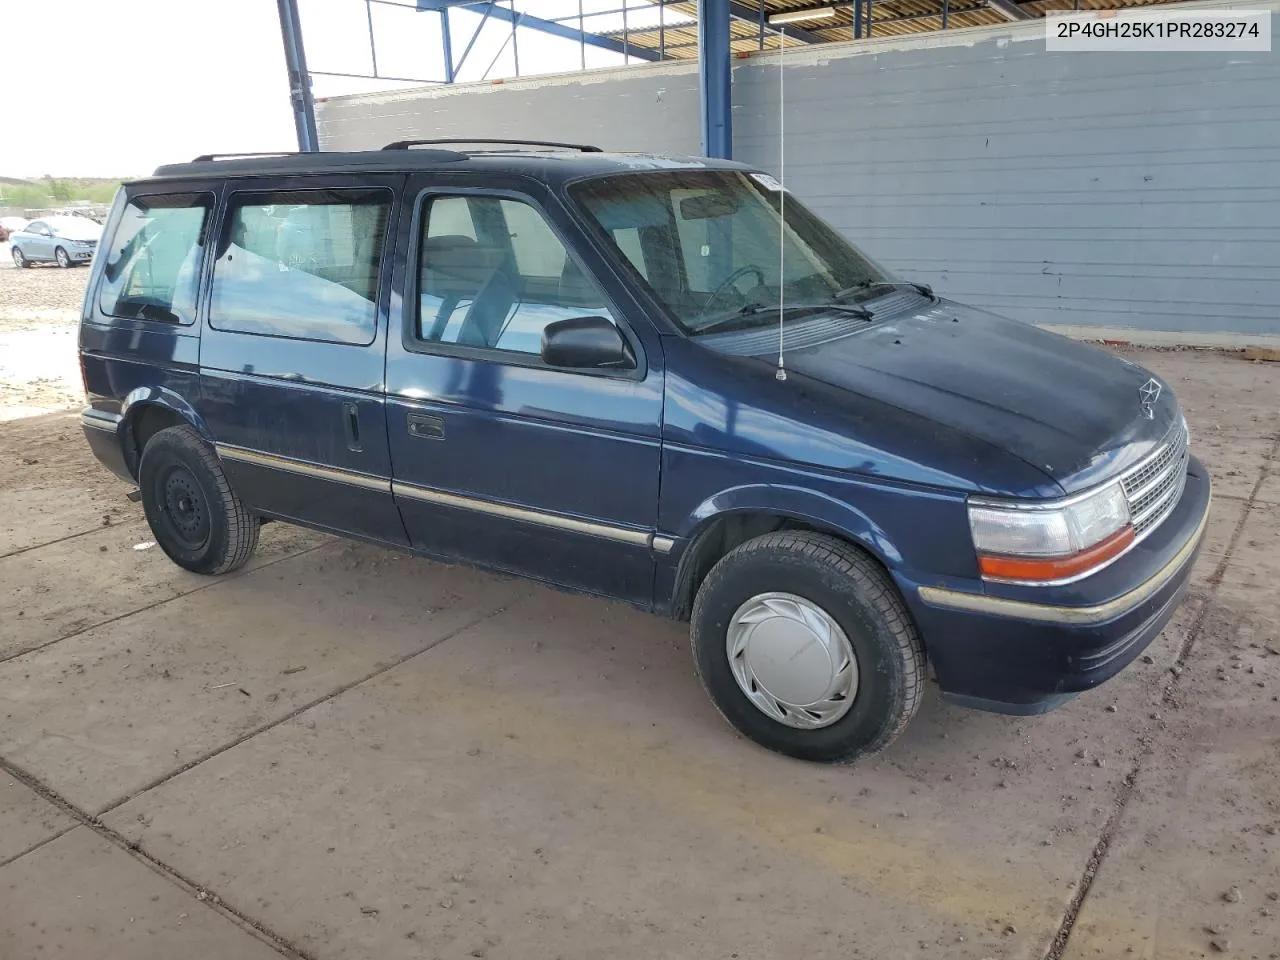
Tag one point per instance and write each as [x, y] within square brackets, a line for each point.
[1154, 486]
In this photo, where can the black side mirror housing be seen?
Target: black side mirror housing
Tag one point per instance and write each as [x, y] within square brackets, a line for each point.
[586, 343]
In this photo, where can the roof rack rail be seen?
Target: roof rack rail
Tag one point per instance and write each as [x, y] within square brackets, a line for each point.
[406, 144]
[235, 156]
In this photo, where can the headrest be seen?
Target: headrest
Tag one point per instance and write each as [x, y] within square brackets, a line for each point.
[456, 265]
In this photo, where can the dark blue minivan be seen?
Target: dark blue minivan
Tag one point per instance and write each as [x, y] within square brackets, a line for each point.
[654, 379]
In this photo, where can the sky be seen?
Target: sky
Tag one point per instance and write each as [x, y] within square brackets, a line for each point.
[126, 85]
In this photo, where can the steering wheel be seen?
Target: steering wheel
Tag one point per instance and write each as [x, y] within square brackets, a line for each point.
[727, 284]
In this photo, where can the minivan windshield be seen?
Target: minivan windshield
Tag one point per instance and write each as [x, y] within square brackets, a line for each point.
[713, 247]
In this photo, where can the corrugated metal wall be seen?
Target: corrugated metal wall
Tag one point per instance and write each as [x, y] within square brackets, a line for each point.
[1088, 189]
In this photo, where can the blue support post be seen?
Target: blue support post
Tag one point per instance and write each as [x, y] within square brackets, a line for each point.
[295, 59]
[715, 78]
[857, 19]
[447, 40]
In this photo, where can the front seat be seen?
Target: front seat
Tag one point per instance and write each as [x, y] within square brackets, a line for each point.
[457, 270]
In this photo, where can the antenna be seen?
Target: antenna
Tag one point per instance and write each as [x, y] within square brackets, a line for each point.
[782, 201]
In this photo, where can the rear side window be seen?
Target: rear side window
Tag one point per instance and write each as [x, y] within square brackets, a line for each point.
[152, 268]
[302, 264]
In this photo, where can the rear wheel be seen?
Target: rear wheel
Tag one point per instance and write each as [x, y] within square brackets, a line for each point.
[64, 260]
[194, 514]
[19, 260]
[805, 646]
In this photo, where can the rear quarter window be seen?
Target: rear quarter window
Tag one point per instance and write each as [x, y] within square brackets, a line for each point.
[302, 264]
[152, 268]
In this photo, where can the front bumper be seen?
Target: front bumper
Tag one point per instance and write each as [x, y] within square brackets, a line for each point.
[1015, 654]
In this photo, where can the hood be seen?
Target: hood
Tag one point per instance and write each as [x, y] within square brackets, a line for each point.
[1066, 408]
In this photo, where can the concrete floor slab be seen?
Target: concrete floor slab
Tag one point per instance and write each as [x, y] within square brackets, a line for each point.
[1249, 584]
[1219, 392]
[79, 897]
[1196, 859]
[51, 486]
[1269, 492]
[111, 579]
[552, 781]
[555, 776]
[1235, 463]
[26, 818]
[103, 714]
[1224, 517]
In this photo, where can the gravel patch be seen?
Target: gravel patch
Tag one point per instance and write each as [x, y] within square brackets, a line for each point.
[39, 314]
[41, 294]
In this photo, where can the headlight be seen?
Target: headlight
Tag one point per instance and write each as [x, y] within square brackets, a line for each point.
[1052, 542]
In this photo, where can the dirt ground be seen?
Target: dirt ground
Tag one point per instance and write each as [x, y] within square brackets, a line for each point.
[39, 309]
[342, 752]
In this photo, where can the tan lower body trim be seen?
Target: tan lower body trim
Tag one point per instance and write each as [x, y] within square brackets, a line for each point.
[639, 538]
[303, 468]
[1078, 616]
[100, 420]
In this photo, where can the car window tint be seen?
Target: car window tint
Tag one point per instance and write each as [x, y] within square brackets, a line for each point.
[34, 227]
[492, 274]
[695, 242]
[152, 268]
[301, 264]
[628, 241]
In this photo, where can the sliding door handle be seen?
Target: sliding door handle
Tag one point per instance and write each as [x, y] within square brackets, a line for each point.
[426, 427]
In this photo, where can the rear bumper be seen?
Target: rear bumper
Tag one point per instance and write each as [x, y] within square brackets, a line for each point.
[1015, 654]
[102, 431]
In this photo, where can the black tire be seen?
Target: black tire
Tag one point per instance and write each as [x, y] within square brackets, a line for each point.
[856, 592]
[62, 258]
[19, 259]
[194, 514]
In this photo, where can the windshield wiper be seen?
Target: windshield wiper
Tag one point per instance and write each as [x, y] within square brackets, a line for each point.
[752, 309]
[921, 288]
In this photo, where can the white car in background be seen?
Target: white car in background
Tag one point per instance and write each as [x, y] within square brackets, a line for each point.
[63, 240]
[10, 225]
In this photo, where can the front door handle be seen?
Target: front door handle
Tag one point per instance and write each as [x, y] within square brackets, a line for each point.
[351, 423]
[426, 427]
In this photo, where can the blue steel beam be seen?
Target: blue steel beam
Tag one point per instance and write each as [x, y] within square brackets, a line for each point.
[714, 78]
[743, 11]
[295, 59]
[446, 40]
[547, 26]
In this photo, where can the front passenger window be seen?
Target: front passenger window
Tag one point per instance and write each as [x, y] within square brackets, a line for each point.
[492, 274]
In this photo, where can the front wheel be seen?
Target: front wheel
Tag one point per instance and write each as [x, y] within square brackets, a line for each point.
[805, 646]
[194, 514]
[64, 261]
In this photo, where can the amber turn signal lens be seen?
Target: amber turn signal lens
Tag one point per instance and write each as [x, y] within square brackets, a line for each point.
[1055, 568]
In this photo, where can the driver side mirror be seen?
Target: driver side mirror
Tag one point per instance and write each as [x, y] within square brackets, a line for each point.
[586, 343]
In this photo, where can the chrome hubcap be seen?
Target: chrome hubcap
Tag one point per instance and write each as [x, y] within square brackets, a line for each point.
[792, 660]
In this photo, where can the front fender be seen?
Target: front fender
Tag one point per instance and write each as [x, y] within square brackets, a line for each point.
[811, 507]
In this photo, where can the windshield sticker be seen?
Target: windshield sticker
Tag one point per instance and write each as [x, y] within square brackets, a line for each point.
[766, 181]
